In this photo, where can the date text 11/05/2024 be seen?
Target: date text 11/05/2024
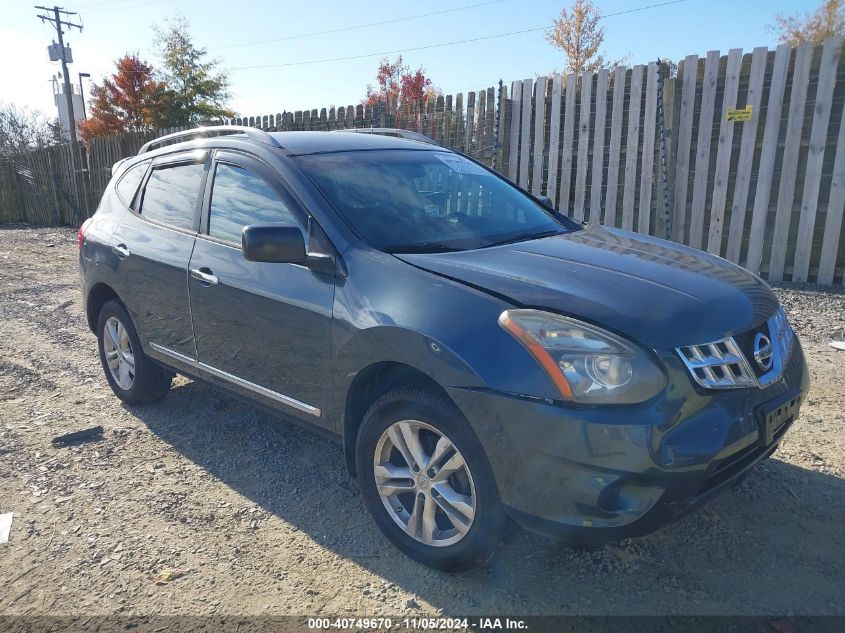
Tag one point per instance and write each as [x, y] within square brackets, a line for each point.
[419, 624]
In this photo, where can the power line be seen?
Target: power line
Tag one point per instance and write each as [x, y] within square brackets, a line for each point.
[88, 5]
[634, 10]
[92, 5]
[400, 50]
[441, 44]
[112, 7]
[359, 26]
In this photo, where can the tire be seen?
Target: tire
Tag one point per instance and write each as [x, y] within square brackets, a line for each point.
[448, 517]
[136, 378]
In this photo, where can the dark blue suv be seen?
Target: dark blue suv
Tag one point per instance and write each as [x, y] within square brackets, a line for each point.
[483, 358]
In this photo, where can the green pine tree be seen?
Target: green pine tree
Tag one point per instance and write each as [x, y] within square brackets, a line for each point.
[198, 90]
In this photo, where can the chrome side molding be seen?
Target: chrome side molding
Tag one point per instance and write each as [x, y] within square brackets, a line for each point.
[246, 384]
[161, 349]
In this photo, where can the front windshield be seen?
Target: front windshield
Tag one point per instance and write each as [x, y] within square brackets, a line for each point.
[405, 201]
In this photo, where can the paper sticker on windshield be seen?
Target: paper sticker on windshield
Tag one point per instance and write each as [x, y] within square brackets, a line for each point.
[462, 165]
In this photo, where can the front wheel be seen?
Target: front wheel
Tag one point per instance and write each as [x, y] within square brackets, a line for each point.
[426, 480]
[131, 374]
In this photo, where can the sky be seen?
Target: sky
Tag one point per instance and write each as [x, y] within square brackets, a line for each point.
[293, 75]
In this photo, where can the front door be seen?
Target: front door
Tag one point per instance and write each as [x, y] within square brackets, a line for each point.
[262, 328]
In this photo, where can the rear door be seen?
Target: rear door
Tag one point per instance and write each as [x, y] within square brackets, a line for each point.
[261, 328]
[153, 246]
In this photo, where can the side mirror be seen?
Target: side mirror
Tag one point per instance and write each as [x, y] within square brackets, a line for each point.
[273, 243]
[546, 201]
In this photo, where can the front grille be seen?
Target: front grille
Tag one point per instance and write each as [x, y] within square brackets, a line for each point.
[784, 335]
[718, 365]
[732, 362]
[745, 342]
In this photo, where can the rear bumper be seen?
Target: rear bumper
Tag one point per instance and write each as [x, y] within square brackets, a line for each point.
[599, 474]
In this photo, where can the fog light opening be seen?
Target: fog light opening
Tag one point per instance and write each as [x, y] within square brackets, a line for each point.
[608, 499]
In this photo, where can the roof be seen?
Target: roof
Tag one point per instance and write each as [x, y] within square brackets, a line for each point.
[318, 142]
[292, 143]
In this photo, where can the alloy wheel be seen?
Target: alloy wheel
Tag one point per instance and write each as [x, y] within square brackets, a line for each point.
[119, 356]
[424, 483]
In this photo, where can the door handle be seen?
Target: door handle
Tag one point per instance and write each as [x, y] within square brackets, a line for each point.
[204, 275]
[120, 250]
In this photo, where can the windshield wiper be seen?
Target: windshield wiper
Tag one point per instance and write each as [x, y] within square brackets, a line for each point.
[524, 237]
[425, 247]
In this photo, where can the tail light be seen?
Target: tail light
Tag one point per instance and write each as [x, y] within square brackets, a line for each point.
[80, 234]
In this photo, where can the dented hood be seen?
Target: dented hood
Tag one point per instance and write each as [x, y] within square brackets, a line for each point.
[657, 292]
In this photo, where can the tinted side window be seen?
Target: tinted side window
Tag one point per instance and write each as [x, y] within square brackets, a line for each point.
[238, 198]
[171, 194]
[128, 184]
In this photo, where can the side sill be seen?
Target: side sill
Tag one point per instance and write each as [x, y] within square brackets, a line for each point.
[246, 384]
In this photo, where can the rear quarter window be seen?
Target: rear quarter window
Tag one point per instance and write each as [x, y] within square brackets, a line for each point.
[128, 184]
[170, 195]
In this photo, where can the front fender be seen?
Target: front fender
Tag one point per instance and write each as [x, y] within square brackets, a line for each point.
[390, 311]
[389, 343]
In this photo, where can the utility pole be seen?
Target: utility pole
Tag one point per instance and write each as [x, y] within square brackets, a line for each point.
[58, 23]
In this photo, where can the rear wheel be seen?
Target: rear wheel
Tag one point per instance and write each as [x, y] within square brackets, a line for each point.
[427, 482]
[131, 374]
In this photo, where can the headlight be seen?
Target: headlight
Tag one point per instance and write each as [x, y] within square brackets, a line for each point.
[585, 363]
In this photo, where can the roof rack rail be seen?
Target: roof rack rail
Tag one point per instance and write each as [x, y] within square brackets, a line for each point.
[252, 132]
[391, 131]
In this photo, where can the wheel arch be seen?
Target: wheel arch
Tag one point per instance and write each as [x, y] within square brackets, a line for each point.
[99, 294]
[370, 384]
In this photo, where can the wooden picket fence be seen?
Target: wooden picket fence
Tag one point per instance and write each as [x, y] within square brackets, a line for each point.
[767, 193]
[468, 128]
[50, 187]
[741, 154]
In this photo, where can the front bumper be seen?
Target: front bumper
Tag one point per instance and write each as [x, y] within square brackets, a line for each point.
[597, 474]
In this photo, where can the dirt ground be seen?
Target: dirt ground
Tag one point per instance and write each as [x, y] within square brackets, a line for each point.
[265, 519]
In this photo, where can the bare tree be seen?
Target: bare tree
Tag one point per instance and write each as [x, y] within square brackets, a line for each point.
[25, 129]
[827, 21]
[579, 34]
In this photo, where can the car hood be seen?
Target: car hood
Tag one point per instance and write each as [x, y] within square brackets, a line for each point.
[658, 292]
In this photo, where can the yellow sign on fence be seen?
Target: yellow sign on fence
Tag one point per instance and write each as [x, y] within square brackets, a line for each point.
[735, 114]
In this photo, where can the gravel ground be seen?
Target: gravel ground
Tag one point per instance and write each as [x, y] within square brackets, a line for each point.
[260, 517]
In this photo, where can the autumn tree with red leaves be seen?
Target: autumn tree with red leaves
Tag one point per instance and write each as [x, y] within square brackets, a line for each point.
[131, 100]
[397, 83]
